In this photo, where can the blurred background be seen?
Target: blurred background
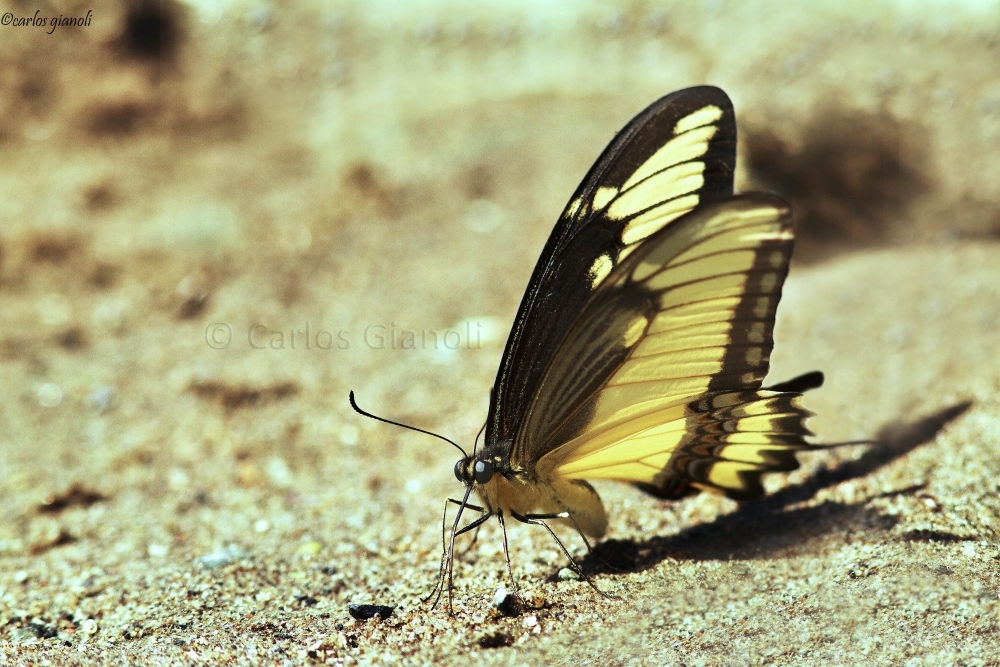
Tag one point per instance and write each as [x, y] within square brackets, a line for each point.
[216, 218]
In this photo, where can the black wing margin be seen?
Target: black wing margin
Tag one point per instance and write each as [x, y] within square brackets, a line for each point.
[678, 154]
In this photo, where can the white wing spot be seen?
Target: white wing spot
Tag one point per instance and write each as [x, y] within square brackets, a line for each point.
[760, 310]
[756, 333]
[753, 356]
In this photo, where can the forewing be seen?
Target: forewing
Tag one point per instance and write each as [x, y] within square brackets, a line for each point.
[688, 315]
[677, 154]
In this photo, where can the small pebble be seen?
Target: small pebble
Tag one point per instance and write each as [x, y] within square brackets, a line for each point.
[222, 557]
[496, 640]
[504, 602]
[309, 549]
[363, 612]
[568, 574]
[101, 397]
[349, 434]
[49, 395]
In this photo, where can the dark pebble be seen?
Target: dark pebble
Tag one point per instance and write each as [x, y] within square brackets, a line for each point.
[44, 631]
[363, 612]
[496, 640]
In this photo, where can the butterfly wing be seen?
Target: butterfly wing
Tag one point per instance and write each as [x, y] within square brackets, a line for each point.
[657, 382]
[677, 154]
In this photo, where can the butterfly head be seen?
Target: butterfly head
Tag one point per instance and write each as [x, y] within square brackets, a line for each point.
[474, 470]
[486, 466]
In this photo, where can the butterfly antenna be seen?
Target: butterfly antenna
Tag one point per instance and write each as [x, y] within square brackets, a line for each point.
[412, 428]
[475, 443]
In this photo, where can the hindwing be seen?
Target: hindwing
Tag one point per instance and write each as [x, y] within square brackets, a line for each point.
[686, 318]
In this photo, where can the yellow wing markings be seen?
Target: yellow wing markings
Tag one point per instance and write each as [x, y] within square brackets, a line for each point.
[573, 208]
[713, 335]
[600, 269]
[719, 240]
[624, 402]
[603, 195]
[704, 116]
[589, 448]
[655, 219]
[725, 240]
[666, 185]
[691, 313]
[683, 147]
[662, 189]
[658, 189]
[635, 331]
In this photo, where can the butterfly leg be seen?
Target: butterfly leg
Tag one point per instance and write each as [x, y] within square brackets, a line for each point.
[472, 542]
[539, 520]
[447, 558]
[510, 571]
[590, 549]
[451, 546]
[475, 535]
[474, 508]
[444, 551]
[444, 546]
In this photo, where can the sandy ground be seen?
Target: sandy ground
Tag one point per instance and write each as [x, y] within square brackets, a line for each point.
[216, 219]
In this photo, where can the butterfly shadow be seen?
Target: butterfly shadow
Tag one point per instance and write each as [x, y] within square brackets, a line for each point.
[764, 528]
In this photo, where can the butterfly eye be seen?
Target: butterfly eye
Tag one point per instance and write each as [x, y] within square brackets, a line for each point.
[483, 472]
[458, 470]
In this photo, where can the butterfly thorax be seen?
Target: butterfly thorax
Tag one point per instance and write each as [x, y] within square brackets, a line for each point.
[497, 483]
[502, 487]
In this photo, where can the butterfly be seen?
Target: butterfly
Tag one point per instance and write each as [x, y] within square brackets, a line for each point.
[643, 338]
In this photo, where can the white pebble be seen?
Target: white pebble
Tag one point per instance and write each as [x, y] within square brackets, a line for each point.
[500, 597]
[349, 434]
[49, 395]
